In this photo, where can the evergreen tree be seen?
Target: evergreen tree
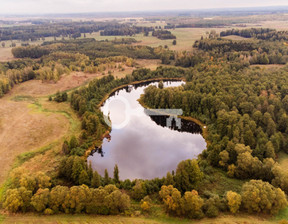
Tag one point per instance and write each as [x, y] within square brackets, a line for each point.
[96, 181]
[65, 148]
[106, 177]
[84, 178]
[73, 142]
[90, 171]
[116, 175]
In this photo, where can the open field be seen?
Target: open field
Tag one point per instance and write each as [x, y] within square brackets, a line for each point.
[234, 37]
[185, 38]
[24, 131]
[5, 54]
[84, 219]
[37, 88]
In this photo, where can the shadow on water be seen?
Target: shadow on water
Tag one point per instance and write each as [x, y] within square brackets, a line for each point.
[186, 126]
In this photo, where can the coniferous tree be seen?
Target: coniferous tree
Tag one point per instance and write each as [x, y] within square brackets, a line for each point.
[116, 175]
[96, 180]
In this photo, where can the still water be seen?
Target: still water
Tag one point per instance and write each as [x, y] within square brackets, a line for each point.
[141, 145]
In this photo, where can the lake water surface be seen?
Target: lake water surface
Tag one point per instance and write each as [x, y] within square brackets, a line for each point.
[141, 145]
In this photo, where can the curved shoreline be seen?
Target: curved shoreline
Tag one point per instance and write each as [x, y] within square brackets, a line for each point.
[200, 123]
[135, 83]
[107, 132]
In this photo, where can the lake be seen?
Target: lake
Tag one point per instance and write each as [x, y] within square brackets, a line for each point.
[141, 144]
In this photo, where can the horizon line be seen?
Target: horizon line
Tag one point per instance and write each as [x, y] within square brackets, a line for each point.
[231, 9]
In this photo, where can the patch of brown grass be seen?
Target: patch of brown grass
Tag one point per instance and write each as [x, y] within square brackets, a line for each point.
[92, 219]
[24, 131]
[283, 160]
[234, 37]
[6, 54]
[37, 88]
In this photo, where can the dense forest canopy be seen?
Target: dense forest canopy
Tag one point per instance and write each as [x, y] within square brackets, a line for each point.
[244, 108]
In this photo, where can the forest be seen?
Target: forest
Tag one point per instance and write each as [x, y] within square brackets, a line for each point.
[67, 29]
[244, 108]
[55, 58]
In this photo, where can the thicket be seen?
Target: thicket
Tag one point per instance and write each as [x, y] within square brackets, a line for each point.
[163, 34]
[34, 193]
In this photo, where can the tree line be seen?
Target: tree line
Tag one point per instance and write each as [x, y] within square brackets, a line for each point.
[125, 30]
[69, 29]
[258, 33]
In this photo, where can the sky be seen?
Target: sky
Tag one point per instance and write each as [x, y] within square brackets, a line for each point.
[80, 6]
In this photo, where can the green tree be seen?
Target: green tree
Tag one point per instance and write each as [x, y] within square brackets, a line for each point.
[90, 171]
[96, 181]
[77, 168]
[84, 178]
[269, 150]
[188, 174]
[116, 175]
[73, 142]
[160, 85]
[106, 177]
[117, 202]
[139, 190]
[169, 179]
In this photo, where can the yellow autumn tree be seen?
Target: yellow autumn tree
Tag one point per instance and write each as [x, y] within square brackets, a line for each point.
[260, 196]
[233, 201]
[146, 204]
[172, 199]
[192, 204]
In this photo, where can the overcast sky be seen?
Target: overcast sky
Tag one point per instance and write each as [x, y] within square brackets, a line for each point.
[75, 6]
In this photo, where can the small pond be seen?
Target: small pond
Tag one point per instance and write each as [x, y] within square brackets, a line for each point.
[141, 144]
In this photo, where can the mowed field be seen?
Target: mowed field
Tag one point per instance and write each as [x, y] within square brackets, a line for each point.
[29, 122]
[90, 219]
